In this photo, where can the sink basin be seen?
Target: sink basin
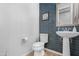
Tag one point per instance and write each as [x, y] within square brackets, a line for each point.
[68, 34]
[66, 44]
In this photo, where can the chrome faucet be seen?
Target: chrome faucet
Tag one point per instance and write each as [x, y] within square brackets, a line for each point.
[66, 29]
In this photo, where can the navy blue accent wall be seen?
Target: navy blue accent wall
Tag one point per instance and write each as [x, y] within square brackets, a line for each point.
[49, 26]
[51, 9]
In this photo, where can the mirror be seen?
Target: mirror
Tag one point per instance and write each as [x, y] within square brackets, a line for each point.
[67, 14]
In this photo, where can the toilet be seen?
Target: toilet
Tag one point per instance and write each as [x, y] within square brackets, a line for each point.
[38, 47]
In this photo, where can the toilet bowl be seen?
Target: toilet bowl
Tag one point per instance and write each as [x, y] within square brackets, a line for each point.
[38, 48]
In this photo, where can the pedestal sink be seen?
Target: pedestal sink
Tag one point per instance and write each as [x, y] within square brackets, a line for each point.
[66, 35]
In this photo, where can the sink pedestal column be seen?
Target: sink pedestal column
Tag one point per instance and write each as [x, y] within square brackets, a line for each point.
[66, 47]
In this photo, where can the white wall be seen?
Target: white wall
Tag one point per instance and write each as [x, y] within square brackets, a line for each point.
[16, 22]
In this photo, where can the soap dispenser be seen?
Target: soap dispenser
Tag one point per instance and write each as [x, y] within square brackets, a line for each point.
[74, 29]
